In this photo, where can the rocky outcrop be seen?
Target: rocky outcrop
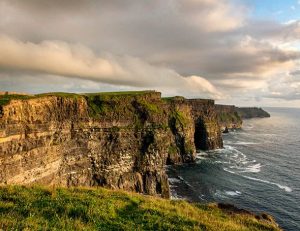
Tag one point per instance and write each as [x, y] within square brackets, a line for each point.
[231, 117]
[228, 117]
[252, 112]
[207, 129]
[116, 140]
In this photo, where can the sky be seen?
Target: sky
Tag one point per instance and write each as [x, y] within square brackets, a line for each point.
[243, 52]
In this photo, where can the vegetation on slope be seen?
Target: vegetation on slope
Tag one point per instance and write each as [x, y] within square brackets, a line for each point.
[40, 208]
[252, 112]
[118, 93]
[229, 117]
[5, 98]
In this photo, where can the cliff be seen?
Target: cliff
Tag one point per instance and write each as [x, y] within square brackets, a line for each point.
[119, 140]
[228, 117]
[252, 112]
[231, 117]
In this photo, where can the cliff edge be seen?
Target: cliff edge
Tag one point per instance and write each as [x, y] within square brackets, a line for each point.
[120, 140]
[252, 112]
[231, 117]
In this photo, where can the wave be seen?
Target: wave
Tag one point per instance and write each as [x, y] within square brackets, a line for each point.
[175, 196]
[174, 180]
[233, 193]
[238, 161]
[245, 143]
[241, 143]
[286, 188]
[251, 168]
[225, 194]
[227, 170]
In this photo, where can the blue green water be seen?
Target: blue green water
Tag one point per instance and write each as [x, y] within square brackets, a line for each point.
[258, 169]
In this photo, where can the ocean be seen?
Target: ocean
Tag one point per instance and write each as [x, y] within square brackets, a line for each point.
[258, 169]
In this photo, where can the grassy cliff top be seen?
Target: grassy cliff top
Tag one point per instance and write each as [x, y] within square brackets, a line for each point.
[40, 208]
[129, 93]
[6, 98]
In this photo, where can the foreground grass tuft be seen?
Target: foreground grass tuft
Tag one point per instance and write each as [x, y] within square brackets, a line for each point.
[40, 208]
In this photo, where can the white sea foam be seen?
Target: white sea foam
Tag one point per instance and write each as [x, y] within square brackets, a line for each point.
[238, 161]
[227, 170]
[250, 168]
[175, 196]
[233, 193]
[174, 180]
[202, 155]
[286, 188]
[245, 143]
[219, 194]
[201, 197]
[180, 177]
[239, 143]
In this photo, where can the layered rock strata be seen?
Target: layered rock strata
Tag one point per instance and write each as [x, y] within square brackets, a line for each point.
[228, 117]
[231, 117]
[120, 141]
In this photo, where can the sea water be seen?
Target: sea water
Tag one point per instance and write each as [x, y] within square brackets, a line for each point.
[258, 169]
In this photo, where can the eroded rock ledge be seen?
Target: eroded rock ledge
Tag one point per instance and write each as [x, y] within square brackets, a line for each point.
[116, 140]
[231, 117]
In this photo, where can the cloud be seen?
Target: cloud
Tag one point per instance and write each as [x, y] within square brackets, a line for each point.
[74, 60]
[272, 30]
[295, 73]
[153, 44]
[285, 86]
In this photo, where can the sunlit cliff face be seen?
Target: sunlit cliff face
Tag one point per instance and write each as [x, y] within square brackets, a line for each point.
[197, 48]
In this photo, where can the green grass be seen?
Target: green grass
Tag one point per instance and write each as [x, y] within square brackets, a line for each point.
[109, 103]
[5, 99]
[180, 119]
[120, 93]
[229, 117]
[173, 98]
[59, 94]
[38, 208]
[151, 107]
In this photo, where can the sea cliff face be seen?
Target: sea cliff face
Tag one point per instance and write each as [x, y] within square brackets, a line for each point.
[252, 112]
[120, 141]
[231, 117]
[228, 117]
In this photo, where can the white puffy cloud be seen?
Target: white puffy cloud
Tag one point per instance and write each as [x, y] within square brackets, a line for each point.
[73, 60]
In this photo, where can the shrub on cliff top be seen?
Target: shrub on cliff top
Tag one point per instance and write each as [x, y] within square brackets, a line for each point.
[37, 208]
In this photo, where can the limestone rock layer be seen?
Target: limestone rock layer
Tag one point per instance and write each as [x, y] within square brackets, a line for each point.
[120, 141]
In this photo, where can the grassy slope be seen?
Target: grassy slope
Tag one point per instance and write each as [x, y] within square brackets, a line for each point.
[37, 208]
